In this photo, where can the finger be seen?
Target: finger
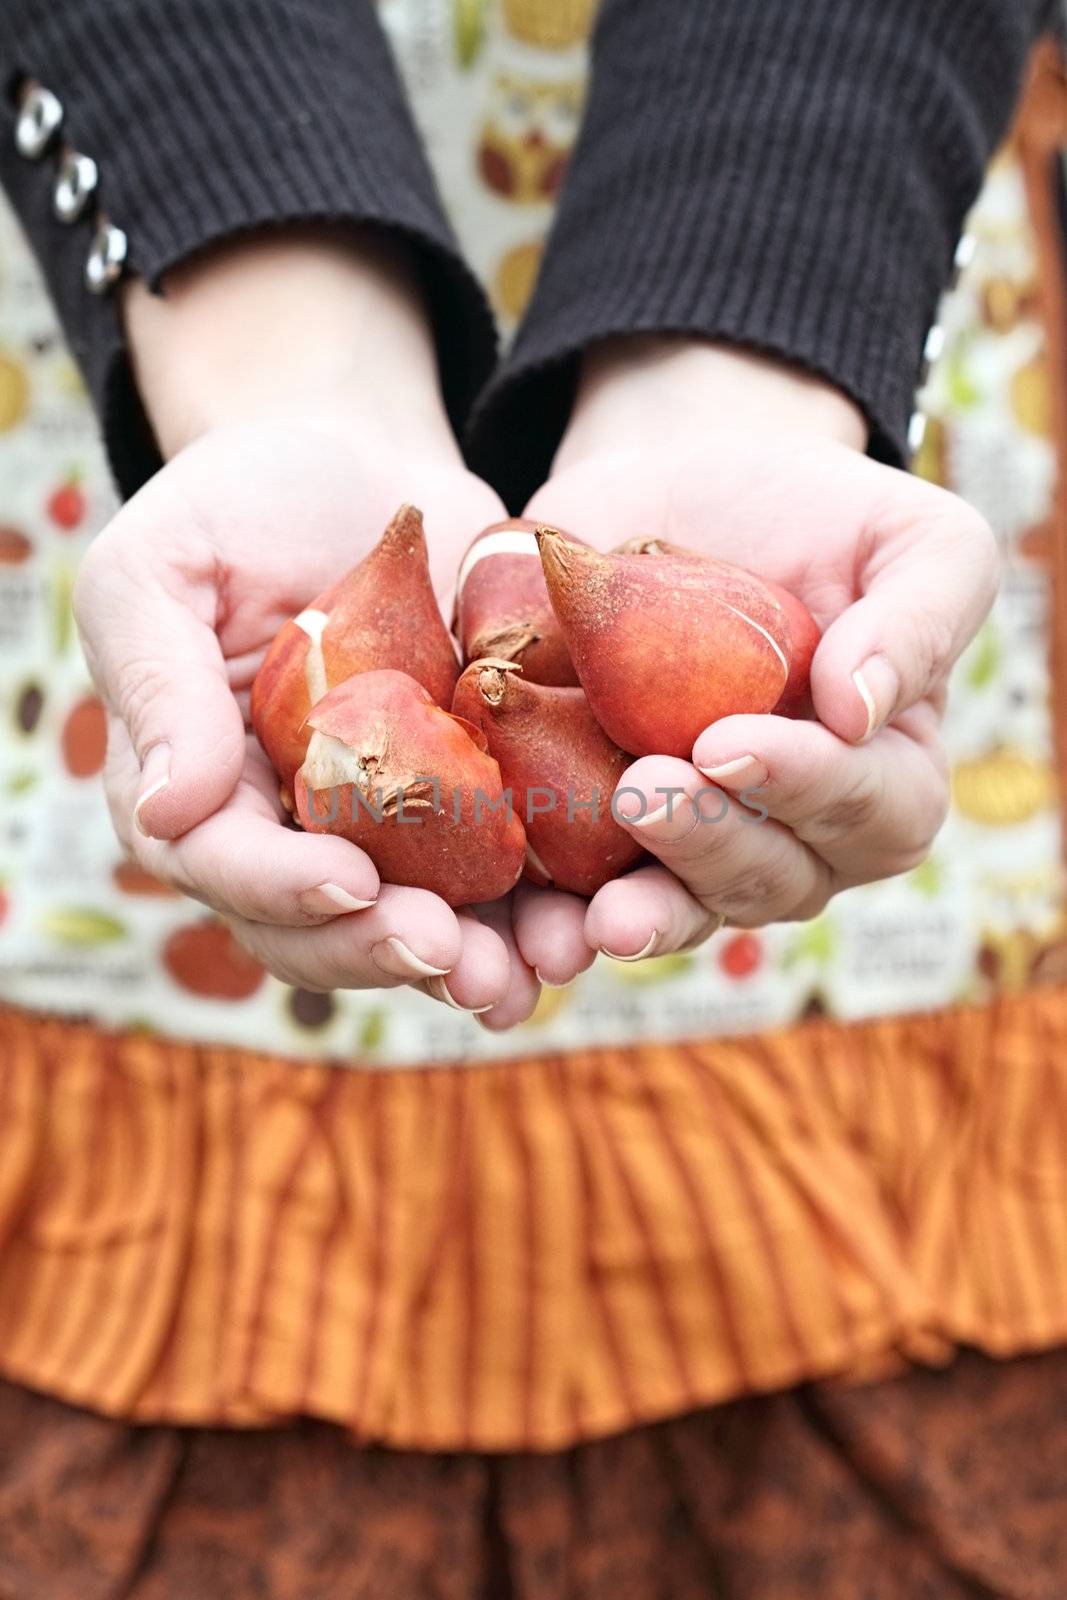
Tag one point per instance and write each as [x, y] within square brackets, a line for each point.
[149, 638]
[549, 931]
[523, 990]
[250, 865]
[406, 936]
[647, 913]
[481, 976]
[122, 776]
[870, 811]
[928, 579]
[242, 861]
[749, 868]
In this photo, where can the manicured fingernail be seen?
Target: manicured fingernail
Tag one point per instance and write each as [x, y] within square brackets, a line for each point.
[439, 989]
[878, 686]
[547, 983]
[155, 775]
[629, 805]
[330, 900]
[676, 811]
[394, 957]
[653, 819]
[744, 772]
[640, 955]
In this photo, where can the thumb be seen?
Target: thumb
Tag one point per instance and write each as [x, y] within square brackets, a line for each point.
[928, 587]
[156, 659]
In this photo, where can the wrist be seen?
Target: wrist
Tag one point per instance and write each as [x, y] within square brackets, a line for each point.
[649, 391]
[327, 329]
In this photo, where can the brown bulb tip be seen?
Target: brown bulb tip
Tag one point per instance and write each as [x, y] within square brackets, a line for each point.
[405, 526]
[493, 678]
[554, 547]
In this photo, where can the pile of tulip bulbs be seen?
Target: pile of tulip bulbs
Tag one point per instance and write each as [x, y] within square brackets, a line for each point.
[461, 780]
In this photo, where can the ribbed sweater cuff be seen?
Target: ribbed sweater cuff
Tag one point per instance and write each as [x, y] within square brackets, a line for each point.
[788, 177]
[209, 118]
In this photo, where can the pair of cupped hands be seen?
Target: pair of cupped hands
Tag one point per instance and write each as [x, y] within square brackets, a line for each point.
[292, 385]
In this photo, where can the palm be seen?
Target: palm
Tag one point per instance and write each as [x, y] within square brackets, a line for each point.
[280, 513]
[791, 512]
[828, 524]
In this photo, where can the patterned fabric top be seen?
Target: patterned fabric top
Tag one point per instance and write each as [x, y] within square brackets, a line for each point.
[497, 88]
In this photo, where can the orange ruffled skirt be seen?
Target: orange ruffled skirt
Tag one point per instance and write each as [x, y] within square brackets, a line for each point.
[523, 1255]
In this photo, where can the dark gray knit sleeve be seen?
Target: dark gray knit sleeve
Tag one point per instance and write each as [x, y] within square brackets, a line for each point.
[786, 175]
[207, 119]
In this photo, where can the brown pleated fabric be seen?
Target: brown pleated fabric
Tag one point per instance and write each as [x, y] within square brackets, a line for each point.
[526, 1254]
[931, 1486]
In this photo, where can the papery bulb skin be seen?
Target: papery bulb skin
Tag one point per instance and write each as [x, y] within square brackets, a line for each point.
[556, 759]
[502, 607]
[798, 632]
[381, 615]
[413, 786]
[664, 645]
[804, 635]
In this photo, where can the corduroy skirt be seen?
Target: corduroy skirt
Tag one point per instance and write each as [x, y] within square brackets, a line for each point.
[934, 1485]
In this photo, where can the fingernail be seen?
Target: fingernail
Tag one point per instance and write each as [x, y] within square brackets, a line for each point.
[653, 819]
[330, 900]
[629, 805]
[547, 982]
[439, 989]
[743, 772]
[640, 955]
[877, 685]
[666, 816]
[155, 775]
[394, 957]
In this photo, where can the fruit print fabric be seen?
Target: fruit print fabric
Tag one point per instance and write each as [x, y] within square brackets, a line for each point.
[84, 932]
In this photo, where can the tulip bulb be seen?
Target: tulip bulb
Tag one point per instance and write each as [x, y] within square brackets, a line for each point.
[800, 632]
[562, 770]
[502, 605]
[665, 643]
[413, 786]
[803, 636]
[383, 614]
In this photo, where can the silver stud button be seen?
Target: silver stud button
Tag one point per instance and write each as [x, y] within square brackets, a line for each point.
[107, 254]
[75, 186]
[965, 252]
[39, 120]
[934, 348]
[916, 431]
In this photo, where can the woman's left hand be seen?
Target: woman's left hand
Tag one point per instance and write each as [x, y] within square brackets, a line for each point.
[772, 816]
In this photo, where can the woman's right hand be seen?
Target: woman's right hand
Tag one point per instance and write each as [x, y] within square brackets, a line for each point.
[281, 477]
